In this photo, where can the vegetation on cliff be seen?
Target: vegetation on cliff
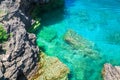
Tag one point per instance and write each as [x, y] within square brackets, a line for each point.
[3, 34]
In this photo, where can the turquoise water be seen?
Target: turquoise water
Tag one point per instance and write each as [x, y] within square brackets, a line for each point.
[97, 21]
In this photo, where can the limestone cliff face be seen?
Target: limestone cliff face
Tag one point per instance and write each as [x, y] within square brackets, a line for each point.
[110, 72]
[21, 57]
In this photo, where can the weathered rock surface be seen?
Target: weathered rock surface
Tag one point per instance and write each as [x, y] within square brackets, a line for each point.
[21, 57]
[21, 50]
[51, 69]
[111, 73]
[21, 54]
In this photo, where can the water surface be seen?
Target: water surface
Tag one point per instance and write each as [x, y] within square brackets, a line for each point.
[95, 20]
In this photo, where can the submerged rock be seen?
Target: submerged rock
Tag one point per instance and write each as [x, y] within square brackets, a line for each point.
[111, 73]
[51, 69]
[76, 40]
[113, 38]
[81, 44]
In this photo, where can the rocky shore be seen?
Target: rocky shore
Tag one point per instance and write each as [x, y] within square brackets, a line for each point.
[21, 57]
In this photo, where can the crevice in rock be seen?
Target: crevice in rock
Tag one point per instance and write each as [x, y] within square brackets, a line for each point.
[21, 76]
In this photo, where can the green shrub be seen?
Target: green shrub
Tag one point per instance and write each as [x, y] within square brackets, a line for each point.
[3, 34]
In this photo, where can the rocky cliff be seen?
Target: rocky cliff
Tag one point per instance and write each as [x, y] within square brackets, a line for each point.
[20, 58]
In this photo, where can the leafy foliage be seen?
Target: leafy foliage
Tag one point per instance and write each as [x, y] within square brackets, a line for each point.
[3, 34]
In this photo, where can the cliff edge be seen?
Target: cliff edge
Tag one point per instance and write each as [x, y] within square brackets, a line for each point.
[21, 54]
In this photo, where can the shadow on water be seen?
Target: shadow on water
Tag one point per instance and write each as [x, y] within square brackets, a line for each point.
[51, 13]
[52, 17]
[81, 67]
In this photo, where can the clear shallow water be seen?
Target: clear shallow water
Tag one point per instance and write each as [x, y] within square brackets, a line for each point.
[94, 20]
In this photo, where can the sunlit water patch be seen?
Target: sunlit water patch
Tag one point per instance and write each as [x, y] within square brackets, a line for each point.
[93, 36]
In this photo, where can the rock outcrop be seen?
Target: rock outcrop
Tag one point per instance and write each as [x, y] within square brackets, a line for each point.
[51, 69]
[21, 57]
[111, 73]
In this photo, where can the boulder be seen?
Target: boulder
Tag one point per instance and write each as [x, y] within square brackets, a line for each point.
[82, 45]
[110, 72]
[51, 69]
[77, 41]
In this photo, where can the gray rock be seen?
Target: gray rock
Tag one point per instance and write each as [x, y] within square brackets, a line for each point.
[21, 51]
[111, 73]
[1, 74]
[1, 71]
[21, 55]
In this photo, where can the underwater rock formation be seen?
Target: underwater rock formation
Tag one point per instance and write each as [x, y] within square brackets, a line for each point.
[111, 73]
[51, 69]
[84, 46]
[76, 40]
[113, 38]
[21, 57]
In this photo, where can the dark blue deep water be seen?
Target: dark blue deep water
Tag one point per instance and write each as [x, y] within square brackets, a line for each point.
[97, 21]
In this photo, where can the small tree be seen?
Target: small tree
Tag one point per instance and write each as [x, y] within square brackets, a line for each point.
[3, 34]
